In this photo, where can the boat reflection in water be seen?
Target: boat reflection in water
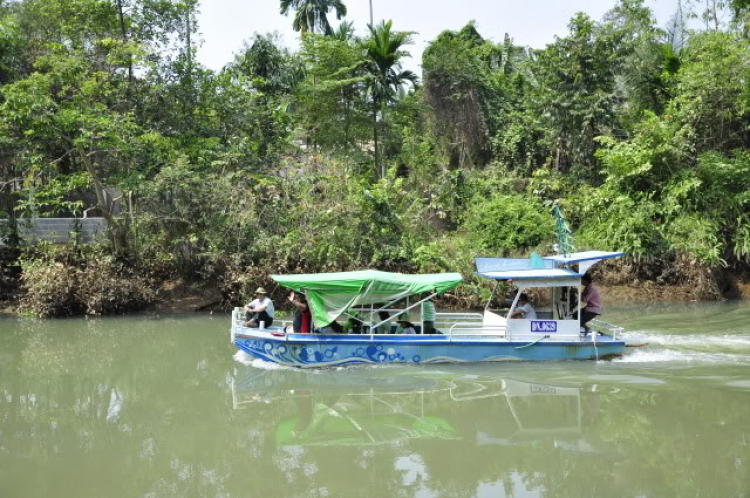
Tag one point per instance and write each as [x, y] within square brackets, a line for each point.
[356, 407]
[530, 405]
[371, 406]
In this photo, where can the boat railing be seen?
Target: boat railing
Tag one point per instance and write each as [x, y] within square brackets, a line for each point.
[460, 329]
[607, 328]
[443, 320]
[449, 316]
[238, 321]
[464, 329]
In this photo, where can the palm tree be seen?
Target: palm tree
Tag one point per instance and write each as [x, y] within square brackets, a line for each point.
[384, 50]
[313, 14]
[344, 33]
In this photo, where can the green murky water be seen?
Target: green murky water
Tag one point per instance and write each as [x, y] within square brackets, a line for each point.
[164, 407]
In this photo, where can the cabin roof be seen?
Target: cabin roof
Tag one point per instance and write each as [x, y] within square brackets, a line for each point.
[533, 274]
[578, 257]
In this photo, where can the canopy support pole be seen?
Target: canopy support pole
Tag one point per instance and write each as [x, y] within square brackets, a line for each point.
[492, 294]
[405, 310]
[513, 306]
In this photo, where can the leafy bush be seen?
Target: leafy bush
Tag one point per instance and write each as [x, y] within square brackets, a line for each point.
[611, 220]
[696, 236]
[105, 287]
[50, 289]
[503, 224]
[65, 282]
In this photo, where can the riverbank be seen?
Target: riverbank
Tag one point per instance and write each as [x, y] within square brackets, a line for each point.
[179, 296]
[69, 281]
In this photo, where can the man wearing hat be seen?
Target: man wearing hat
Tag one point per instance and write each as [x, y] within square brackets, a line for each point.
[406, 326]
[260, 311]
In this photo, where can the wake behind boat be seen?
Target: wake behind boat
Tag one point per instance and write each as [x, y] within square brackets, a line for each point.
[555, 334]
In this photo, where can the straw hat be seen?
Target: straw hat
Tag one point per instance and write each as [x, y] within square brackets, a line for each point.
[260, 290]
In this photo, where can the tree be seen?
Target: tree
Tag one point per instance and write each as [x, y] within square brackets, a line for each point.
[312, 14]
[384, 49]
[75, 111]
[331, 104]
[456, 87]
[269, 66]
[642, 59]
[344, 32]
[575, 96]
[257, 87]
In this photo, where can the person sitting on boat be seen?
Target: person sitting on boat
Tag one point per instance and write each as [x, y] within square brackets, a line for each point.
[428, 315]
[406, 326]
[591, 302]
[353, 325]
[260, 311]
[302, 318]
[385, 328]
[524, 309]
[332, 328]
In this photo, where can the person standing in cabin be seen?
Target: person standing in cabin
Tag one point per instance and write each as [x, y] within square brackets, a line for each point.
[303, 317]
[591, 301]
[260, 310]
[428, 315]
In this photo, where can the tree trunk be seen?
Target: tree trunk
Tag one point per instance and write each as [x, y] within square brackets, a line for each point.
[382, 138]
[119, 241]
[14, 239]
[375, 134]
[188, 82]
[189, 48]
[121, 16]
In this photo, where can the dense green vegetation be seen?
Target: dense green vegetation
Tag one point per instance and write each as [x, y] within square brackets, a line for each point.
[335, 157]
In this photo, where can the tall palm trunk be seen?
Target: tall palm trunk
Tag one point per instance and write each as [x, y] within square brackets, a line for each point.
[124, 33]
[375, 133]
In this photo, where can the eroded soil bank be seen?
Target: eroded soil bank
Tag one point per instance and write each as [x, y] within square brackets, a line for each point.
[178, 296]
[71, 284]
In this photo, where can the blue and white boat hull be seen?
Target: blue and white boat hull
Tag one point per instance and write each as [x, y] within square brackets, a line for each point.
[314, 350]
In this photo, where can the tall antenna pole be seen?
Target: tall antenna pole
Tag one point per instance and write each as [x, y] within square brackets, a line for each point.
[371, 20]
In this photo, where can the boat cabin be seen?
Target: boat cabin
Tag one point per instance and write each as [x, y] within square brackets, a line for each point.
[560, 275]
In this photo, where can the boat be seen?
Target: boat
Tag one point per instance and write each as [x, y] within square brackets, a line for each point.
[490, 335]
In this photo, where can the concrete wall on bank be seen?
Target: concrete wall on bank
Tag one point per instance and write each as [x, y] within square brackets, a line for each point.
[57, 230]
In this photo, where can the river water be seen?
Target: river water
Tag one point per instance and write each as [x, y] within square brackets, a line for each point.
[157, 407]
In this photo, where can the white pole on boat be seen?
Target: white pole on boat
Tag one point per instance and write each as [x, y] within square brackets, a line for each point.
[390, 318]
[515, 302]
[492, 294]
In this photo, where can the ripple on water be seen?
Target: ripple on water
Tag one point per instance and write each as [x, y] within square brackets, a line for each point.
[246, 359]
[627, 379]
[695, 341]
[742, 384]
[663, 355]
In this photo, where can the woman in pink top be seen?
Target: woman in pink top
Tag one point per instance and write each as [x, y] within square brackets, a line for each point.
[591, 301]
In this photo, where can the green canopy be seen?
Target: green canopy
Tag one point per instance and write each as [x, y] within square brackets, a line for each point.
[331, 294]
